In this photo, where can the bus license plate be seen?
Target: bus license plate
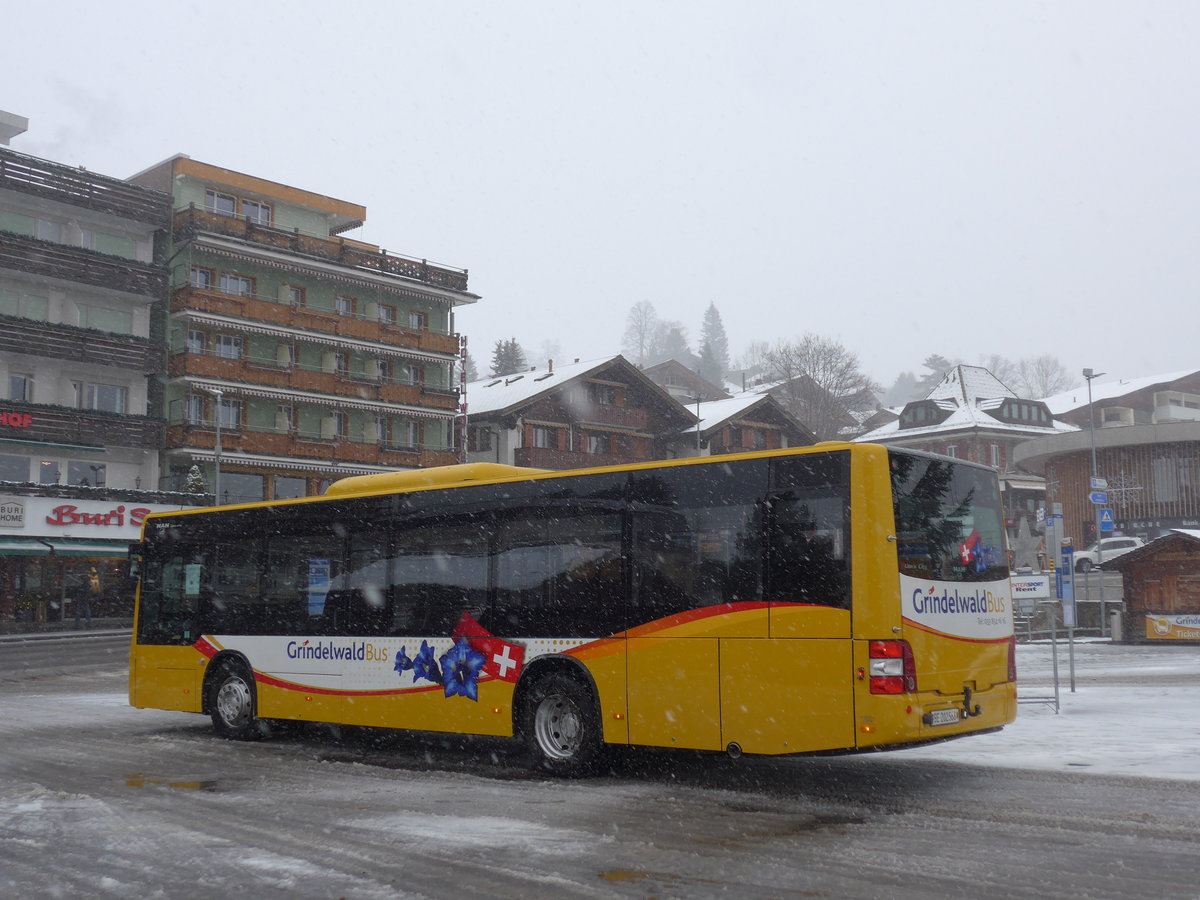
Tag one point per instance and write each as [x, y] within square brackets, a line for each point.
[943, 716]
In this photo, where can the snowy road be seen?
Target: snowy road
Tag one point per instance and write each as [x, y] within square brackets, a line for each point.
[101, 800]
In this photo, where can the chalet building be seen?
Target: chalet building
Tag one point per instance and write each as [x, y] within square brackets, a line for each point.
[595, 413]
[682, 383]
[1161, 587]
[1147, 443]
[82, 299]
[310, 355]
[972, 415]
[742, 424]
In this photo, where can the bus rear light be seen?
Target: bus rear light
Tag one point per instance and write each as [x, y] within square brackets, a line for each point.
[892, 667]
[1012, 659]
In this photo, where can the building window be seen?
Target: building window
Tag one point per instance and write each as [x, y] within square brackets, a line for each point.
[952, 450]
[544, 438]
[259, 213]
[196, 341]
[229, 413]
[412, 434]
[604, 394]
[87, 474]
[414, 373]
[20, 387]
[201, 278]
[341, 425]
[238, 285]
[102, 318]
[384, 368]
[48, 472]
[343, 305]
[14, 468]
[193, 409]
[996, 456]
[381, 429]
[418, 320]
[295, 295]
[49, 231]
[387, 314]
[288, 487]
[227, 346]
[221, 204]
[102, 397]
[599, 444]
[285, 418]
[341, 365]
[480, 439]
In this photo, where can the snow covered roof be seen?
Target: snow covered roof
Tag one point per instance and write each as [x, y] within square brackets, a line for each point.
[505, 391]
[968, 383]
[1077, 397]
[970, 394]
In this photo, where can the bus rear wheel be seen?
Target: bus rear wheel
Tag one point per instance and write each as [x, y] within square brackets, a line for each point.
[561, 727]
[233, 704]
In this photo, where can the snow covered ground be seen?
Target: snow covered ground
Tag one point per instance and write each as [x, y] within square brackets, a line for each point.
[1135, 711]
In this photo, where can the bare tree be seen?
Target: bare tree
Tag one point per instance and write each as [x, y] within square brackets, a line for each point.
[822, 384]
[1005, 370]
[640, 327]
[1044, 376]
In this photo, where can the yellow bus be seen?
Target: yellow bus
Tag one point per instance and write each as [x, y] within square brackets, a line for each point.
[837, 598]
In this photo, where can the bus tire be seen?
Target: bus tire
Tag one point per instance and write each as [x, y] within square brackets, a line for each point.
[560, 725]
[233, 704]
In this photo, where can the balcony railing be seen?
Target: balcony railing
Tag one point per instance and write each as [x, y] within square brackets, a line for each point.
[83, 345]
[191, 221]
[545, 458]
[306, 379]
[78, 187]
[24, 254]
[616, 416]
[87, 427]
[275, 312]
[305, 445]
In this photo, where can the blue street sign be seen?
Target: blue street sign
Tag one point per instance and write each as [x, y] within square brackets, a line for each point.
[1106, 520]
[1098, 497]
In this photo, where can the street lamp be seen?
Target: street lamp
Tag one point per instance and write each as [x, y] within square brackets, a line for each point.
[218, 394]
[1088, 375]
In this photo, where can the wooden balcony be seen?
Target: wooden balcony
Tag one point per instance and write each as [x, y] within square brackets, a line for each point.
[616, 416]
[545, 458]
[307, 381]
[82, 345]
[258, 309]
[87, 427]
[46, 258]
[78, 187]
[191, 221]
[306, 447]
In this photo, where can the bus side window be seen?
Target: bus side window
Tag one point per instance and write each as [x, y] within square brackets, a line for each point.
[697, 537]
[808, 533]
[558, 571]
[438, 572]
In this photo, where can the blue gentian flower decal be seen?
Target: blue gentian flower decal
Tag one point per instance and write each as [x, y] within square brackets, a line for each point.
[403, 663]
[460, 667]
[424, 666]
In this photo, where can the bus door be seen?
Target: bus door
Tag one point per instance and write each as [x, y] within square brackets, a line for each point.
[695, 589]
[793, 692]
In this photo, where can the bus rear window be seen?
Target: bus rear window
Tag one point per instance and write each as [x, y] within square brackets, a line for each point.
[948, 519]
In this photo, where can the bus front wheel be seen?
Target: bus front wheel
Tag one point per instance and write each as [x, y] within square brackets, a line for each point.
[561, 727]
[233, 705]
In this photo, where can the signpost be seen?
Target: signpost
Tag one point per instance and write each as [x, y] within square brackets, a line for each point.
[1098, 498]
[1106, 519]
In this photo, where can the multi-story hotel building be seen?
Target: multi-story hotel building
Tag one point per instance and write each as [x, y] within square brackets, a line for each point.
[81, 320]
[308, 355]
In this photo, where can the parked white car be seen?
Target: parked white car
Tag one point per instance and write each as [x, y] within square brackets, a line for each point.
[1111, 547]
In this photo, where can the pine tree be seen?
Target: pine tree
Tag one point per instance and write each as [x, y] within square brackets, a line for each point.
[713, 362]
[195, 481]
[508, 358]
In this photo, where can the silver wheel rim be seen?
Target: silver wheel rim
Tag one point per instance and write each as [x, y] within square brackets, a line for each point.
[558, 727]
[233, 702]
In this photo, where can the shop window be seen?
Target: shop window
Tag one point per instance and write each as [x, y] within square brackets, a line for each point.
[48, 472]
[87, 474]
[14, 468]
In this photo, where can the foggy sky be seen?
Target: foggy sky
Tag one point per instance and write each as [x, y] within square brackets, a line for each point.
[907, 178]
